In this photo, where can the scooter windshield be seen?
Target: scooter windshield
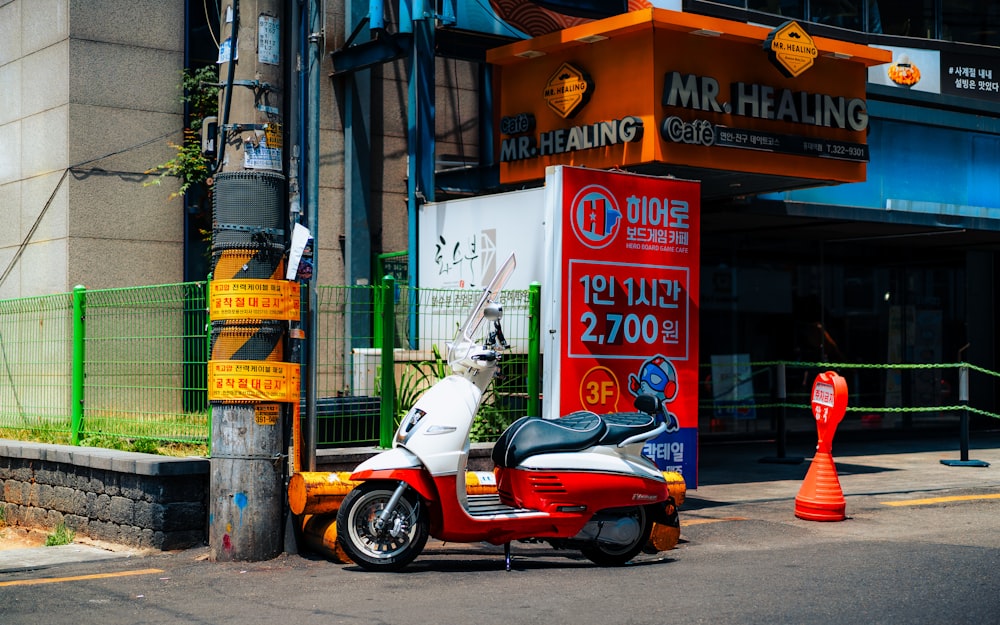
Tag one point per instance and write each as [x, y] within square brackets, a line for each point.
[465, 338]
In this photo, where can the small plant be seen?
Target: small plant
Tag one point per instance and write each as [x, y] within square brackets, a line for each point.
[415, 378]
[3, 517]
[105, 441]
[190, 165]
[489, 424]
[145, 446]
[61, 535]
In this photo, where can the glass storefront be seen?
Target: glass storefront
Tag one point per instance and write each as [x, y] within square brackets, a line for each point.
[789, 293]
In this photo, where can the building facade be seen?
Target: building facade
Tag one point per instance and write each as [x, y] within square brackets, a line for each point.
[89, 100]
[898, 267]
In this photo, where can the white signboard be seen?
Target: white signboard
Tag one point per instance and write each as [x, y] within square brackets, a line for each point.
[268, 48]
[463, 241]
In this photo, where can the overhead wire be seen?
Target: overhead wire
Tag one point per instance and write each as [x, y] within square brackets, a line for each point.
[208, 20]
[41, 214]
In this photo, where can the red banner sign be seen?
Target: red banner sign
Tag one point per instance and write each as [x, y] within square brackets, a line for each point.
[629, 293]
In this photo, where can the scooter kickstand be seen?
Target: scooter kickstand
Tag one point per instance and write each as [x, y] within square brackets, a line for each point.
[506, 555]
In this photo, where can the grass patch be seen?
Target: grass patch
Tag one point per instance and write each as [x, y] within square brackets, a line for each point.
[109, 441]
[61, 535]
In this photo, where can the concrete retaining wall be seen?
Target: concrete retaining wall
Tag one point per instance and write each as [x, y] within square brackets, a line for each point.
[139, 500]
[133, 499]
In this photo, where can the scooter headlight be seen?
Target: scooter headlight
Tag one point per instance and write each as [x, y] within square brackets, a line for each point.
[408, 424]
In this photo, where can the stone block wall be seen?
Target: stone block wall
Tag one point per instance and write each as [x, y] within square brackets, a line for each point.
[133, 499]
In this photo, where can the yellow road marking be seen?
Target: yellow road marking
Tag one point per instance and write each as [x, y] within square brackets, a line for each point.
[932, 500]
[688, 522]
[77, 578]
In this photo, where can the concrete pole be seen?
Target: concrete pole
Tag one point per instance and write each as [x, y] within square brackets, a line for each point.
[247, 494]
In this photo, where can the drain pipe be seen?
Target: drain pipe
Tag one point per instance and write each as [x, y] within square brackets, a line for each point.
[420, 126]
[313, 43]
[220, 138]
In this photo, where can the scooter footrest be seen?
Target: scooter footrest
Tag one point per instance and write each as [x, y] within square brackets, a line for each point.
[488, 505]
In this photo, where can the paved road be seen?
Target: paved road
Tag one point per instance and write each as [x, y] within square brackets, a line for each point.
[744, 558]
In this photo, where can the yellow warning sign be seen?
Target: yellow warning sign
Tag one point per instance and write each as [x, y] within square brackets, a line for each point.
[266, 414]
[254, 299]
[274, 136]
[252, 380]
[791, 49]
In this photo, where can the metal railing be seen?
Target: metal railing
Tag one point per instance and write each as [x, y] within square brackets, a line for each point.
[131, 364]
[144, 358]
[36, 349]
[352, 377]
[94, 366]
[88, 366]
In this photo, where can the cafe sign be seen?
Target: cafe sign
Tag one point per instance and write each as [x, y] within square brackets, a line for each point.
[655, 89]
[567, 90]
[791, 49]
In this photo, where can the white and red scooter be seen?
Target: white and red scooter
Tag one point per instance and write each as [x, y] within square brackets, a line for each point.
[578, 482]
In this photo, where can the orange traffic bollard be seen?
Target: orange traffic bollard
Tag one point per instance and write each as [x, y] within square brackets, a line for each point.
[820, 498]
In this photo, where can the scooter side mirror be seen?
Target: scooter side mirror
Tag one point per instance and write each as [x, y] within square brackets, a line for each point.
[649, 404]
[493, 312]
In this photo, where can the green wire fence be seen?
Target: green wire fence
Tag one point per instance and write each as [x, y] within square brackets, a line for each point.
[36, 347]
[94, 366]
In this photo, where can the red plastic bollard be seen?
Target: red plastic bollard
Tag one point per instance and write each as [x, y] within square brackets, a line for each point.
[820, 498]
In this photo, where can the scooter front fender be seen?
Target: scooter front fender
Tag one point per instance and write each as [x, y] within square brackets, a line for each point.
[397, 465]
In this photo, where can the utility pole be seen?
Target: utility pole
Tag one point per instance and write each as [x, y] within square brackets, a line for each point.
[250, 303]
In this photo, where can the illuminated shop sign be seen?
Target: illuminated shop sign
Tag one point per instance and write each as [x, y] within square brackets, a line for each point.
[567, 90]
[757, 101]
[658, 87]
[791, 49]
[705, 94]
[561, 140]
[765, 102]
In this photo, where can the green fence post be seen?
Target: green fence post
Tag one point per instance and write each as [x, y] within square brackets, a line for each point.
[208, 355]
[534, 347]
[378, 299]
[79, 358]
[388, 369]
[195, 381]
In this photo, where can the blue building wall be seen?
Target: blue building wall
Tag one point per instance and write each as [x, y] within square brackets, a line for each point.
[942, 164]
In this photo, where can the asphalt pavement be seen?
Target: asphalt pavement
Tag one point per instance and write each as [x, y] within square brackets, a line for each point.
[735, 480]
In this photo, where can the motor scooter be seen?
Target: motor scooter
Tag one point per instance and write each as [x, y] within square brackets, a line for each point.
[577, 482]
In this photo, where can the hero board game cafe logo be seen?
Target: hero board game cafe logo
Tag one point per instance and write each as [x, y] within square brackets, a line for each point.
[595, 216]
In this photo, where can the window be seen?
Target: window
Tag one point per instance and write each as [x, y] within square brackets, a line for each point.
[964, 21]
[792, 9]
[906, 18]
[971, 21]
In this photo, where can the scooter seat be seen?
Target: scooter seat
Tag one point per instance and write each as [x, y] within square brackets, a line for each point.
[530, 436]
[624, 425]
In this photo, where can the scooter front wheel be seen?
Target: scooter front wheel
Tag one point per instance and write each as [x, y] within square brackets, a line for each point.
[391, 546]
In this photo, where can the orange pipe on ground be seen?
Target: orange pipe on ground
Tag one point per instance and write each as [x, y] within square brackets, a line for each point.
[319, 533]
[318, 492]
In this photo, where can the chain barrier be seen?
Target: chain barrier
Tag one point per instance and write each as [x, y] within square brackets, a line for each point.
[825, 366]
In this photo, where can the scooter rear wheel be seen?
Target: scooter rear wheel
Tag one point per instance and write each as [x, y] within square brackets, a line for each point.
[395, 545]
[605, 554]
